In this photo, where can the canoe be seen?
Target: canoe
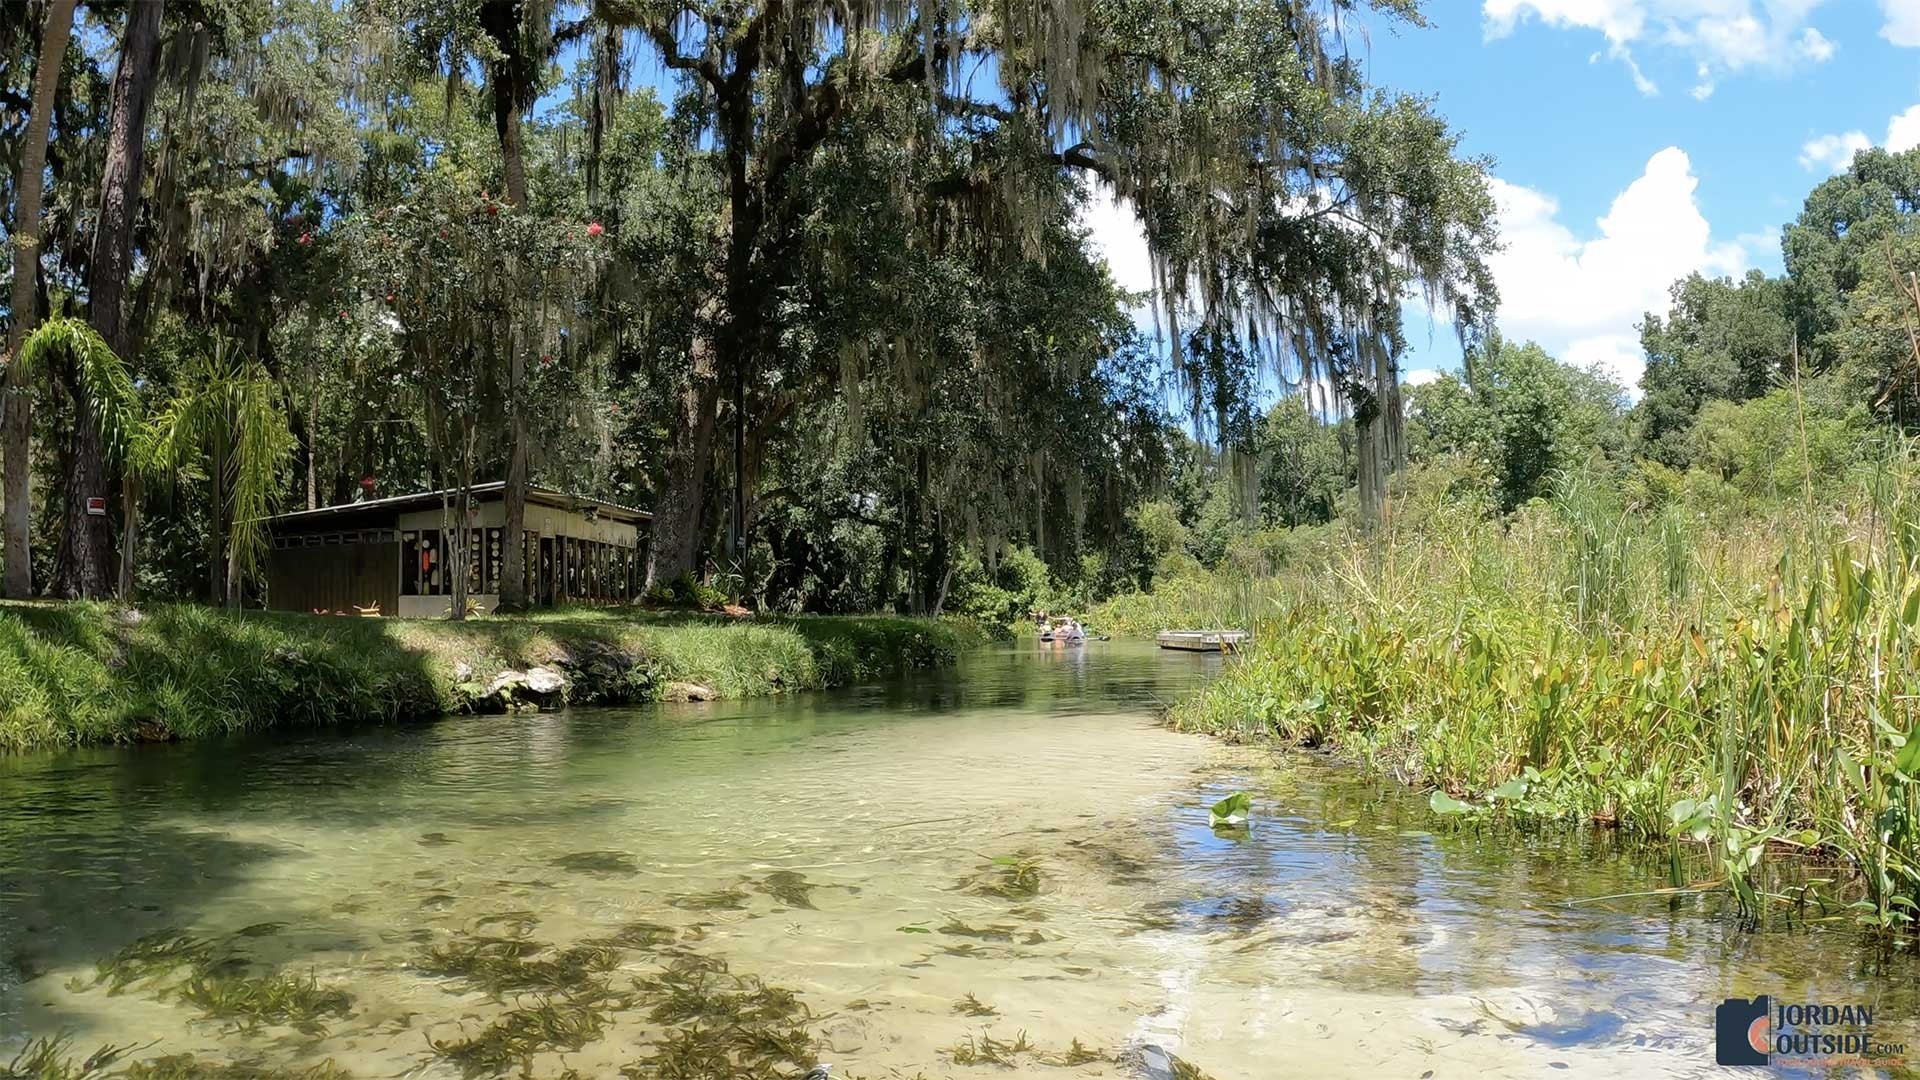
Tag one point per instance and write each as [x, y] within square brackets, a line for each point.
[1203, 640]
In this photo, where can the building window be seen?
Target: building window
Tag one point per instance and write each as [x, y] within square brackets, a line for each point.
[410, 564]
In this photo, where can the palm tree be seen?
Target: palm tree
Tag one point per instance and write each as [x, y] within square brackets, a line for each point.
[104, 393]
[224, 421]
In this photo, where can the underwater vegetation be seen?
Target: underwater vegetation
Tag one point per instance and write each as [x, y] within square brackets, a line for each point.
[718, 900]
[188, 1067]
[1008, 877]
[973, 1006]
[551, 1023]
[48, 1059]
[506, 965]
[269, 999]
[707, 1021]
[788, 887]
[597, 862]
[212, 977]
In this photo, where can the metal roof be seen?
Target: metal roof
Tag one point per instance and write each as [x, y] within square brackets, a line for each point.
[421, 500]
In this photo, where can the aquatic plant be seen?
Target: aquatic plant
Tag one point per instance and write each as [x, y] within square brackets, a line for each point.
[788, 887]
[730, 899]
[973, 1006]
[269, 999]
[158, 956]
[1748, 708]
[48, 1059]
[1232, 810]
[506, 965]
[188, 1067]
[1075, 1054]
[552, 1023]
[597, 862]
[721, 1025]
[987, 1050]
[956, 928]
[636, 935]
[1009, 877]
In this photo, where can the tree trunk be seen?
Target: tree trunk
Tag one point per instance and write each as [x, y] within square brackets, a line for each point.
[129, 536]
[1377, 430]
[16, 414]
[501, 19]
[86, 542]
[679, 519]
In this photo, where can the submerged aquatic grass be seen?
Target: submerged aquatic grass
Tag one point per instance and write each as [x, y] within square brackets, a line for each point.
[548, 1024]
[1008, 877]
[299, 1003]
[499, 966]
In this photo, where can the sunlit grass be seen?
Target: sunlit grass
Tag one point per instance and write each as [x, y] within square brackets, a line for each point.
[1746, 686]
[73, 674]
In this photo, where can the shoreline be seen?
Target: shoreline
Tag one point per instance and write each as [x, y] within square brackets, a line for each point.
[81, 674]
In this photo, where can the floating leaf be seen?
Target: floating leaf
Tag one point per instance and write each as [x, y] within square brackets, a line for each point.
[913, 929]
[1231, 810]
[1512, 791]
[1443, 803]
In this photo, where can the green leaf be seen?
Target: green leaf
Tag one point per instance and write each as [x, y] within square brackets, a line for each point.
[913, 929]
[1443, 803]
[1231, 810]
[1513, 790]
[1908, 759]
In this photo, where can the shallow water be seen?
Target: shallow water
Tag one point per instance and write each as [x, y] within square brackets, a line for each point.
[843, 846]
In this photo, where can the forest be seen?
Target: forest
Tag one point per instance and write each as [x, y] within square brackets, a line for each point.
[806, 280]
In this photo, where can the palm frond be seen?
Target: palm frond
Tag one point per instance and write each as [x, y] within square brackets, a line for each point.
[104, 379]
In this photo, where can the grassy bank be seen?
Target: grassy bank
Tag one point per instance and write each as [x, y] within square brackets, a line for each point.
[1748, 687]
[73, 674]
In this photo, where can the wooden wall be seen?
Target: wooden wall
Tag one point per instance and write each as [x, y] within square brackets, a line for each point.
[337, 578]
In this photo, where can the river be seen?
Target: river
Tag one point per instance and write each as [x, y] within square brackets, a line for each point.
[1009, 861]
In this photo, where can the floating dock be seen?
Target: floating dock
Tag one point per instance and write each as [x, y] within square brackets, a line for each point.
[1203, 640]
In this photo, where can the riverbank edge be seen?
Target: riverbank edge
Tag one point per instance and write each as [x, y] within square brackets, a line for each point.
[77, 674]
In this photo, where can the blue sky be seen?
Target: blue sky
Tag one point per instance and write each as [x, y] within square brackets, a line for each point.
[1638, 140]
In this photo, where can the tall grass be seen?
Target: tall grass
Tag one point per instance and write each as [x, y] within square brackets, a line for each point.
[1749, 687]
[73, 674]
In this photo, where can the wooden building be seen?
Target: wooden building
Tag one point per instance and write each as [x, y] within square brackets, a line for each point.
[391, 554]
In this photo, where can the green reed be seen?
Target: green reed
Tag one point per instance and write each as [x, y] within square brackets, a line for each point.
[1743, 690]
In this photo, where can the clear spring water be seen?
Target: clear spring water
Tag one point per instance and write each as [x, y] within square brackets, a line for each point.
[1342, 936]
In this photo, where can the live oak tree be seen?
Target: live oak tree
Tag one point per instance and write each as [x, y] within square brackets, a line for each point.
[1286, 203]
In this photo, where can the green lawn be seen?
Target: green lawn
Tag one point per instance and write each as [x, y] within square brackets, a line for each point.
[78, 673]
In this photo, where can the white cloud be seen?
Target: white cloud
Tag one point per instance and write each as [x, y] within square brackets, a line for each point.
[1815, 46]
[1580, 296]
[1834, 152]
[1420, 376]
[1114, 234]
[1618, 355]
[1903, 21]
[1903, 131]
[1717, 36]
